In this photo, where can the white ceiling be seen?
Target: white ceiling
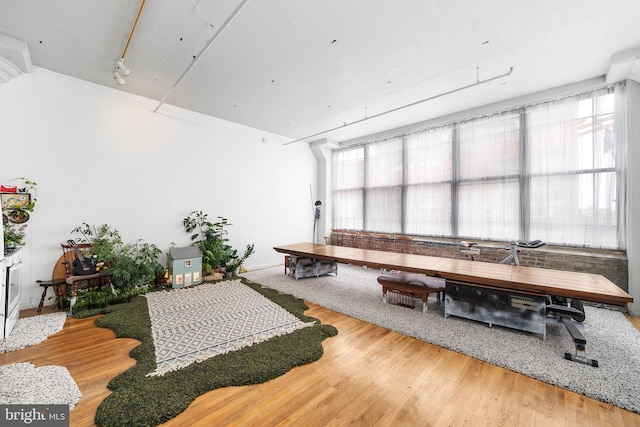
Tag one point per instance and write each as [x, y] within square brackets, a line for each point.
[300, 67]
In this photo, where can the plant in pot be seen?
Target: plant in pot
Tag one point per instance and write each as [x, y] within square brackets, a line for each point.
[14, 234]
[130, 265]
[210, 238]
[15, 211]
[235, 262]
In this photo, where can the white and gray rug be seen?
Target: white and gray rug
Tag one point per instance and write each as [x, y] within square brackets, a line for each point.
[193, 324]
[611, 338]
[23, 383]
[32, 330]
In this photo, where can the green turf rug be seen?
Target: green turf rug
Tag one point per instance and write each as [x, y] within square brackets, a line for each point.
[141, 400]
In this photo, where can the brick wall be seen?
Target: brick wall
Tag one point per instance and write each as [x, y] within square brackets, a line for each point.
[612, 264]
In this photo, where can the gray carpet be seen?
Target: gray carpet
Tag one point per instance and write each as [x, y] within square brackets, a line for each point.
[611, 338]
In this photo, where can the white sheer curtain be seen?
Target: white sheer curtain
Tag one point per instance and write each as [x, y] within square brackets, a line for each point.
[429, 181]
[383, 186]
[489, 190]
[573, 162]
[553, 171]
[348, 195]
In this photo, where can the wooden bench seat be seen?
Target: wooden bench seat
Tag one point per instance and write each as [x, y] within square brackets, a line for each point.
[413, 285]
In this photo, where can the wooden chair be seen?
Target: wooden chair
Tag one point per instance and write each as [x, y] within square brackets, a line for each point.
[402, 244]
[382, 242]
[350, 239]
[336, 237]
[75, 281]
[366, 240]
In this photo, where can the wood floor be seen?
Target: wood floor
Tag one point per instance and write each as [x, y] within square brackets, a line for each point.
[368, 376]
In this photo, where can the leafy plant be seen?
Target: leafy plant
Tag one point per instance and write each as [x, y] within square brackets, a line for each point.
[14, 234]
[97, 298]
[129, 265]
[211, 238]
[235, 262]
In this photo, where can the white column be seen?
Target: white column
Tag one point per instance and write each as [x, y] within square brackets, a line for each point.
[633, 193]
[322, 149]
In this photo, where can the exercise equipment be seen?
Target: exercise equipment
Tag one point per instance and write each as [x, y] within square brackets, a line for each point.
[565, 311]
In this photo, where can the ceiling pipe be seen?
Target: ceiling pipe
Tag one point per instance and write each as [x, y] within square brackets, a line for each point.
[133, 28]
[121, 69]
[478, 82]
[203, 51]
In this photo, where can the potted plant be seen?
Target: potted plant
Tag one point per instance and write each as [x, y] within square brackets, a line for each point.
[14, 234]
[15, 211]
[211, 238]
[235, 262]
[130, 265]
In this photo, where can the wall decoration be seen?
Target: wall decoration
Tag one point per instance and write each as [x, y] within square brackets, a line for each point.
[18, 216]
[15, 200]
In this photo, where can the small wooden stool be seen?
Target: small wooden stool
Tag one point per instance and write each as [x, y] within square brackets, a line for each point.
[413, 285]
[59, 287]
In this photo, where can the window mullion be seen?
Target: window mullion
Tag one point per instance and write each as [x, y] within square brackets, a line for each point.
[525, 202]
[365, 187]
[455, 179]
[403, 190]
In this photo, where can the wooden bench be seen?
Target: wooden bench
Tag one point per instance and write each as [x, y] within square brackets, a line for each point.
[412, 285]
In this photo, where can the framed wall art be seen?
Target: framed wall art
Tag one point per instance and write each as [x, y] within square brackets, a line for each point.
[12, 201]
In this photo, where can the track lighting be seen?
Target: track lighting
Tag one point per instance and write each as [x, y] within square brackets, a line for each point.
[122, 69]
[118, 78]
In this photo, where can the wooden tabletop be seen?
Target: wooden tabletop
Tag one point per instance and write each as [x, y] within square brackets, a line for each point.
[584, 286]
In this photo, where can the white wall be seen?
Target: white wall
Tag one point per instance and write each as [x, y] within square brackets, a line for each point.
[633, 193]
[102, 156]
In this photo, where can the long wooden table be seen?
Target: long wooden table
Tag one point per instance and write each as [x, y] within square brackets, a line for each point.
[584, 286]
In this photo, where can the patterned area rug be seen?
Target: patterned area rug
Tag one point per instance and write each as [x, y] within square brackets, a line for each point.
[193, 324]
[32, 330]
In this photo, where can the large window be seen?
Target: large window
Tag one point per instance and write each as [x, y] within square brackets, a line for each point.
[552, 171]
[429, 176]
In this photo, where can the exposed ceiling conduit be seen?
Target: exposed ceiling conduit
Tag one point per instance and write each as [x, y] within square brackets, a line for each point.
[203, 51]
[478, 82]
[133, 28]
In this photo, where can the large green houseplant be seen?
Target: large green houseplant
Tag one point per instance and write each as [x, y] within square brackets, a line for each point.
[211, 238]
[129, 264]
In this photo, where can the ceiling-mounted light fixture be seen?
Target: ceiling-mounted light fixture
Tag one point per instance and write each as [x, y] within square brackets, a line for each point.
[122, 69]
[118, 78]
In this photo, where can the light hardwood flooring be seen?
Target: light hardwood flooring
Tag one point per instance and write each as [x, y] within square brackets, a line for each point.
[368, 376]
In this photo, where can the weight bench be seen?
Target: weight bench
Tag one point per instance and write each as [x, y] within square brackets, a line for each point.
[412, 285]
[564, 314]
